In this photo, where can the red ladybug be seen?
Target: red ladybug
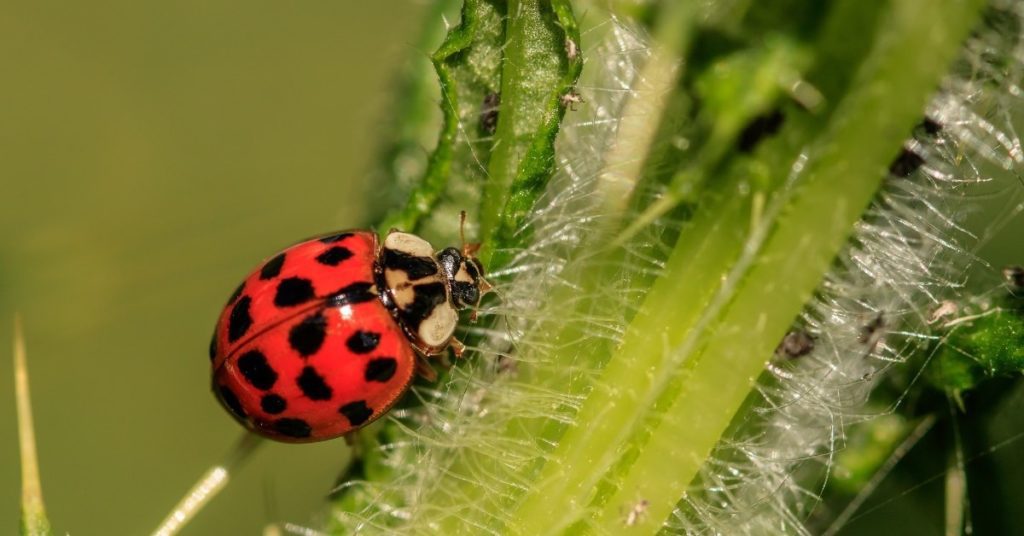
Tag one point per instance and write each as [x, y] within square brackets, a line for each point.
[323, 338]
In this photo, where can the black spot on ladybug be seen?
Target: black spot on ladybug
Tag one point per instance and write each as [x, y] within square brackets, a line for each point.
[415, 267]
[313, 385]
[354, 293]
[213, 346]
[293, 291]
[335, 238]
[380, 369]
[239, 320]
[257, 371]
[273, 404]
[334, 256]
[231, 402]
[356, 412]
[272, 268]
[238, 292]
[307, 336]
[292, 428]
[906, 163]
[758, 129]
[363, 342]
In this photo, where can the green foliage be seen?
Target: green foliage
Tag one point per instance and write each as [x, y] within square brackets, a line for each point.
[988, 345]
[540, 66]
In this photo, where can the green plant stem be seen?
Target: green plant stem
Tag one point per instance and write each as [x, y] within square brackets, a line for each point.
[209, 485]
[33, 513]
[784, 262]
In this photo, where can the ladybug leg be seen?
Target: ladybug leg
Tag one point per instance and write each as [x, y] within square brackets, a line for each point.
[457, 347]
[425, 370]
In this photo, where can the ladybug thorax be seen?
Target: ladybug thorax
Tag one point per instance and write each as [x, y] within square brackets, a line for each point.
[425, 289]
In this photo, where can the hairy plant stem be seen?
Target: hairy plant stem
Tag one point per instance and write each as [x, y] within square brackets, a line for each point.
[717, 349]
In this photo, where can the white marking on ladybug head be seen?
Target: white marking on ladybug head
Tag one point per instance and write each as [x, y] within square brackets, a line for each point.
[463, 275]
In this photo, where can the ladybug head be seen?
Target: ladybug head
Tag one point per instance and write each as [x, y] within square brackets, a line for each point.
[465, 278]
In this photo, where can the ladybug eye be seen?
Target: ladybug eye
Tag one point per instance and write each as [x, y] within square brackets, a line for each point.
[473, 268]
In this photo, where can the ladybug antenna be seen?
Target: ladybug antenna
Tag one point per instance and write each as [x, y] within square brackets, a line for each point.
[462, 228]
[468, 250]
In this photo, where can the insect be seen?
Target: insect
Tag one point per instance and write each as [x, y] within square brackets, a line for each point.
[489, 113]
[796, 343]
[570, 99]
[637, 513]
[872, 333]
[572, 51]
[325, 336]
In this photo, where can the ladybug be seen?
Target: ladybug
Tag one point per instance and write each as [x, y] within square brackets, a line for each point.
[324, 337]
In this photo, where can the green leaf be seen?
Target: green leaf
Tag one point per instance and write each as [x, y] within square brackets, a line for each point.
[468, 66]
[975, 348]
[539, 71]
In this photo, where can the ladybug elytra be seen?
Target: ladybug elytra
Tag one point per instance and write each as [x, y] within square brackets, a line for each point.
[324, 337]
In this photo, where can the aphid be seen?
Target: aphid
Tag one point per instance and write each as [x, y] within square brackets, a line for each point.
[637, 512]
[571, 99]
[324, 337]
[930, 126]
[946, 308]
[572, 50]
[489, 113]
[796, 343]
[906, 163]
[872, 332]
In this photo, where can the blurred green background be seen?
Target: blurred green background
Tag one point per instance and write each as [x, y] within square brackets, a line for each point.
[151, 153]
